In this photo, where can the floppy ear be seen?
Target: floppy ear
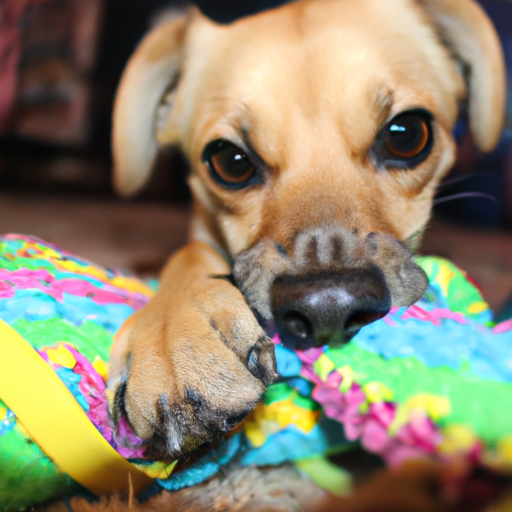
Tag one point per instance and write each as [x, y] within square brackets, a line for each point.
[469, 34]
[151, 73]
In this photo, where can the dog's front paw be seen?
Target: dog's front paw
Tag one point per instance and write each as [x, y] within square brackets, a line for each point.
[186, 372]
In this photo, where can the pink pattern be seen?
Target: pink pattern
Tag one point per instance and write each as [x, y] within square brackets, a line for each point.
[25, 279]
[435, 315]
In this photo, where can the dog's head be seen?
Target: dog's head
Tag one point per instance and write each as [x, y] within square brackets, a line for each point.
[317, 134]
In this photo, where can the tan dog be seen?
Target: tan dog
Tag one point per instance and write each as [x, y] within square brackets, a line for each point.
[316, 134]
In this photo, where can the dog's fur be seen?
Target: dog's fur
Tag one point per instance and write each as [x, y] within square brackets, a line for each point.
[307, 87]
[416, 487]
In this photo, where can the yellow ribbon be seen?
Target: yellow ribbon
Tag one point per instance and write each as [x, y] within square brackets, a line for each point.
[52, 416]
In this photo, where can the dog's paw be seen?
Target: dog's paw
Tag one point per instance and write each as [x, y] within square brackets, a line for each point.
[187, 372]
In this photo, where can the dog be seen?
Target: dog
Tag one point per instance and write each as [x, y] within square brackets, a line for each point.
[316, 135]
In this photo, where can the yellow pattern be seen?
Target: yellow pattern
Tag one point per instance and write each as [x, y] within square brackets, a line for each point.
[158, 469]
[433, 406]
[478, 307]
[323, 366]
[269, 419]
[348, 378]
[457, 439]
[254, 433]
[501, 457]
[377, 392]
[61, 356]
[504, 450]
[57, 422]
[101, 367]
[444, 277]
[132, 285]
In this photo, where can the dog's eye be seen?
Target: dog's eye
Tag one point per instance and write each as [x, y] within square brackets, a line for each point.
[407, 136]
[229, 164]
[407, 139]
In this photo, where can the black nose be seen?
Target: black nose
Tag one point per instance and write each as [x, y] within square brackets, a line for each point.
[316, 309]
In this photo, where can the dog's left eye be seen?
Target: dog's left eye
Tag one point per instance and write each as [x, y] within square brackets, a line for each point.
[407, 139]
[229, 165]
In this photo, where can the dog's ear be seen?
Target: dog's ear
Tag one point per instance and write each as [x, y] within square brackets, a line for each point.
[147, 85]
[469, 34]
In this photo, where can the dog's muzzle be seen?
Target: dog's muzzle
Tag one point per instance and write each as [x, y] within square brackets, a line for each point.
[327, 308]
[328, 284]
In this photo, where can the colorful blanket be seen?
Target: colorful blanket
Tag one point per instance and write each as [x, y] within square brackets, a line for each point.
[430, 380]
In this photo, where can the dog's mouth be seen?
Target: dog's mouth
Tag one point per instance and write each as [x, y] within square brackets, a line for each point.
[311, 302]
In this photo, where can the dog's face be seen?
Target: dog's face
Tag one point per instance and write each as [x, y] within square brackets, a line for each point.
[317, 134]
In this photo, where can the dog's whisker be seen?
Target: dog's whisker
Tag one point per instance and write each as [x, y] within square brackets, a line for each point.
[453, 181]
[458, 179]
[464, 195]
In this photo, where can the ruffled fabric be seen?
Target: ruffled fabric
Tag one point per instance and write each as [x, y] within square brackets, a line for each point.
[430, 380]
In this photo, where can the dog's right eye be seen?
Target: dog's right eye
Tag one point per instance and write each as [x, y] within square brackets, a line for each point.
[229, 165]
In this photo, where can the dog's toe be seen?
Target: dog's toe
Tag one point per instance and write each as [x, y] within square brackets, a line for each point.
[261, 361]
[185, 426]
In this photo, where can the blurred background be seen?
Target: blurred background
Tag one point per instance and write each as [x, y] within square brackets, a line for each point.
[60, 62]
